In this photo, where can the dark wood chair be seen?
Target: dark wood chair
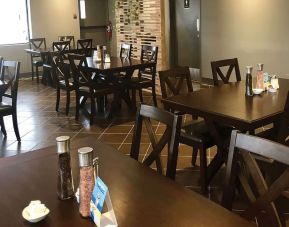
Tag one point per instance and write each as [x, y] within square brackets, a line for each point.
[170, 137]
[69, 38]
[36, 61]
[63, 81]
[243, 166]
[147, 77]
[61, 47]
[89, 85]
[125, 51]
[9, 72]
[195, 134]
[85, 46]
[232, 64]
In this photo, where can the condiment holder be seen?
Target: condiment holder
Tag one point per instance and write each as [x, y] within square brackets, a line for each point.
[35, 211]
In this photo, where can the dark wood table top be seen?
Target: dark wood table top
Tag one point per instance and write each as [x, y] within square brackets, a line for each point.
[139, 195]
[118, 64]
[228, 104]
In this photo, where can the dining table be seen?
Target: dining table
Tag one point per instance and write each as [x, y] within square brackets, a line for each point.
[140, 196]
[228, 105]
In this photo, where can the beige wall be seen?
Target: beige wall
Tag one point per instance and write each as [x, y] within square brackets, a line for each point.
[252, 30]
[49, 18]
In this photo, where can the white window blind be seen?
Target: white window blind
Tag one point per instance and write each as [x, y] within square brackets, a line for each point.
[13, 17]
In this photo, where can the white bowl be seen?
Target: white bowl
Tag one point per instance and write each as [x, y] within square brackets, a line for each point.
[37, 218]
[257, 91]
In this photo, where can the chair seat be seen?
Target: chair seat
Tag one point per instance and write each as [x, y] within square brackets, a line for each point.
[198, 132]
[101, 91]
[63, 84]
[37, 62]
[5, 109]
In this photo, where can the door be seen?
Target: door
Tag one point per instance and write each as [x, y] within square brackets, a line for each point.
[187, 33]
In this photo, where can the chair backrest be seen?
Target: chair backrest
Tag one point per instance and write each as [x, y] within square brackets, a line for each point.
[9, 72]
[241, 165]
[283, 131]
[60, 70]
[125, 50]
[149, 53]
[171, 136]
[85, 45]
[78, 65]
[1, 59]
[175, 81]
[69, 38]
[217, 72]
[37, 43]
[61, 47]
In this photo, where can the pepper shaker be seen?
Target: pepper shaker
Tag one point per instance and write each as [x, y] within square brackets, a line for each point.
[87, 181]
[249, 89]
[65, 188]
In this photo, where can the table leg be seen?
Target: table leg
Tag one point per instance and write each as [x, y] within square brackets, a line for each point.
[219, 158]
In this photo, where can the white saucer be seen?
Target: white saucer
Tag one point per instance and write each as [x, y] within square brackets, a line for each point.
[257, 91]
[41, 214]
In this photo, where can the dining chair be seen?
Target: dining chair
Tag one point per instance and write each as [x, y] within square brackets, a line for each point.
[69, 38]
[242, 167]
[85, 47]
[9, 72]
[36, 61]
[231, 64]
[88, 85]
[146, 77]
[63, 81]
[195, 133]
[145, 115]
[61, 47]
[125, 51]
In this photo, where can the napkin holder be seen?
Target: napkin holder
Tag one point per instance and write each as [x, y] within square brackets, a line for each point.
[104, 219]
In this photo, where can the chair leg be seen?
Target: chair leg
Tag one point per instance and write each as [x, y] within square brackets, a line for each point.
[67, 101]
[32, 69]
[93, 110]
[37, 74]
[3, 126]
[194, 155]
[154, 95]
[203, 170]
[15, 126]
[140, 95]
[77, 107]
[57, 98]
[133, 98]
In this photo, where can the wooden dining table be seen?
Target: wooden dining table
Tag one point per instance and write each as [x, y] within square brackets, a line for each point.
[140, 196]
[228, 105]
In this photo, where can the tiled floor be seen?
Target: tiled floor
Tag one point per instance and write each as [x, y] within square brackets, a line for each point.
[40, 124]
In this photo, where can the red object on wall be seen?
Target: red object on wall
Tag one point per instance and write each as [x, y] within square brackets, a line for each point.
[109, 30]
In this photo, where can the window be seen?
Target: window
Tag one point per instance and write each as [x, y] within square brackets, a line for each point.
[13, 17]
[82, 9]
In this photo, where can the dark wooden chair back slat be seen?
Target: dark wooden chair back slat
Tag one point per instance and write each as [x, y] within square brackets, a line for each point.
[125, 50]
[9, 72]
[146, 114]
[61, 71]
[69, 38]
[85, 46]
[217, 72]
[37, 43]
[61, 47]
[78, 64]
[175, 81]
[241, 164]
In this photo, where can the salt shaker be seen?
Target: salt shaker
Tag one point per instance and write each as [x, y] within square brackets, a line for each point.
[65, 188]
[87, 181]
[249, 90]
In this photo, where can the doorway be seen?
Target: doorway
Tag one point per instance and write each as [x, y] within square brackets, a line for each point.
[185, 32]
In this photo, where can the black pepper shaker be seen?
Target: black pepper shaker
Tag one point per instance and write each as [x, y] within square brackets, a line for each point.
[65, 188]
[249, 89]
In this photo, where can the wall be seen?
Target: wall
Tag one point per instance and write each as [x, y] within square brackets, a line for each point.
[49, 19]
[252, 30]
[96, 15]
